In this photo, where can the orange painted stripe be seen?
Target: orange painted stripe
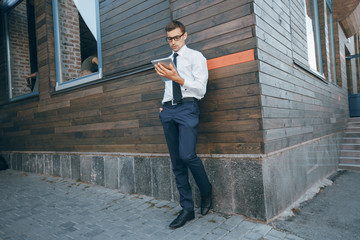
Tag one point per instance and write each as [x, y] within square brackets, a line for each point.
[231, 59]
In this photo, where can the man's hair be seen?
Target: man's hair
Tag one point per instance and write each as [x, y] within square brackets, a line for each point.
[173, 25]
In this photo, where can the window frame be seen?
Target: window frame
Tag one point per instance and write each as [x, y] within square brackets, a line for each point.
[60, 85]
[317, 39]
[11, 5]
[332, 41]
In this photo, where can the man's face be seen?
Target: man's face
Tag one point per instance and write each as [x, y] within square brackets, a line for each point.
[176, 45]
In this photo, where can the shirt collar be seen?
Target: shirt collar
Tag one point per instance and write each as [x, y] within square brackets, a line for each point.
[181, 51]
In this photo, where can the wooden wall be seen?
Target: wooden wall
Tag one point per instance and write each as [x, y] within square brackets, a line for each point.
[121, 115]
[132, 33]
[231, 113]
[297, 105]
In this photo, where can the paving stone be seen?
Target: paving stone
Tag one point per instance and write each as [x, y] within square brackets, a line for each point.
[226, 226]
[247, 225]
[292, 237]
[261, 229]
[276, 233]
[233, 235]
[159, 235]
[234, 220]
[268, 237]
[216, 233]
[180, 233]
[253, 235]
[39, 207]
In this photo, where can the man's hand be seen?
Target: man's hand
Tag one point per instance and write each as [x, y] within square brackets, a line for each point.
[168, 72]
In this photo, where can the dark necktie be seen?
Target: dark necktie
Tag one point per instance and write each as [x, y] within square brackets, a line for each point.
[176, 87]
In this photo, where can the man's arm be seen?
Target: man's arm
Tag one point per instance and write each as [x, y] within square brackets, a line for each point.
[197, 84]
[195, 81]
[169, 73]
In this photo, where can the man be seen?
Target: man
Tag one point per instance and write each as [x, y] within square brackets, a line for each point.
[180, 118]
[89, 65]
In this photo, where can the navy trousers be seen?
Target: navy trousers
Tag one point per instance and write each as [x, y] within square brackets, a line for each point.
[180, 123]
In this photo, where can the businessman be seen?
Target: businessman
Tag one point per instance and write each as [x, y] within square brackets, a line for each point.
[179, 116]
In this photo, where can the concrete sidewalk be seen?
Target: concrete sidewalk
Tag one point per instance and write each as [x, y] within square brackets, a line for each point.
[40, 207]
[333, 214]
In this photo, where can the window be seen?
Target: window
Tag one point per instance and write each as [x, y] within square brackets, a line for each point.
[350, 85]
[313, 35]
[77, 42]
[332, 63]
[20, 33]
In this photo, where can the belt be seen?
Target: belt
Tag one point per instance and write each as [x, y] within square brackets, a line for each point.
[184, 100]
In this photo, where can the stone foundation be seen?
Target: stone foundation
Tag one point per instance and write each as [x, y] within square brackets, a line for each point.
[257, 186]
[237, 183]
[289, 173]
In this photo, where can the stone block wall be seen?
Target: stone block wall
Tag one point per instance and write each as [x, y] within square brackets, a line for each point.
[289, 173]
[237, 182]
[257, 186]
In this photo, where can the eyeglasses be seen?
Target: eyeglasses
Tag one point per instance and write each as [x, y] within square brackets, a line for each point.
[176, 38]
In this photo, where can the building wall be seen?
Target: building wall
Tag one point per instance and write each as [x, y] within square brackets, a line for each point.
[70, 40]
[121, 115]
[19, 48]
[3, 74]
[303, 113]
[357, 61]
[347, 47]
[132, 33]
[267, 125]
[297, 105]
[75, 133]
[236, 182]
[290, 172]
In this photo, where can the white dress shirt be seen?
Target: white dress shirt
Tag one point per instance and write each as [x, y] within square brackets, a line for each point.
[192, 67]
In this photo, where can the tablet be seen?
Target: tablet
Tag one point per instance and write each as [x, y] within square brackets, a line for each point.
[165, 61]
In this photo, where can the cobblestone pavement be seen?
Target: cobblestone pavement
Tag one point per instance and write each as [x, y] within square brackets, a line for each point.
[41, 207]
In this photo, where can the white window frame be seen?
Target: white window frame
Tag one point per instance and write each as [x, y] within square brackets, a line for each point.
[9, 5]
[317, 40]
[60, 85]
[331, 41]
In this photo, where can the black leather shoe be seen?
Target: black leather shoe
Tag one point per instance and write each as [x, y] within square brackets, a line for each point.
[206, 202]
[183, 217]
